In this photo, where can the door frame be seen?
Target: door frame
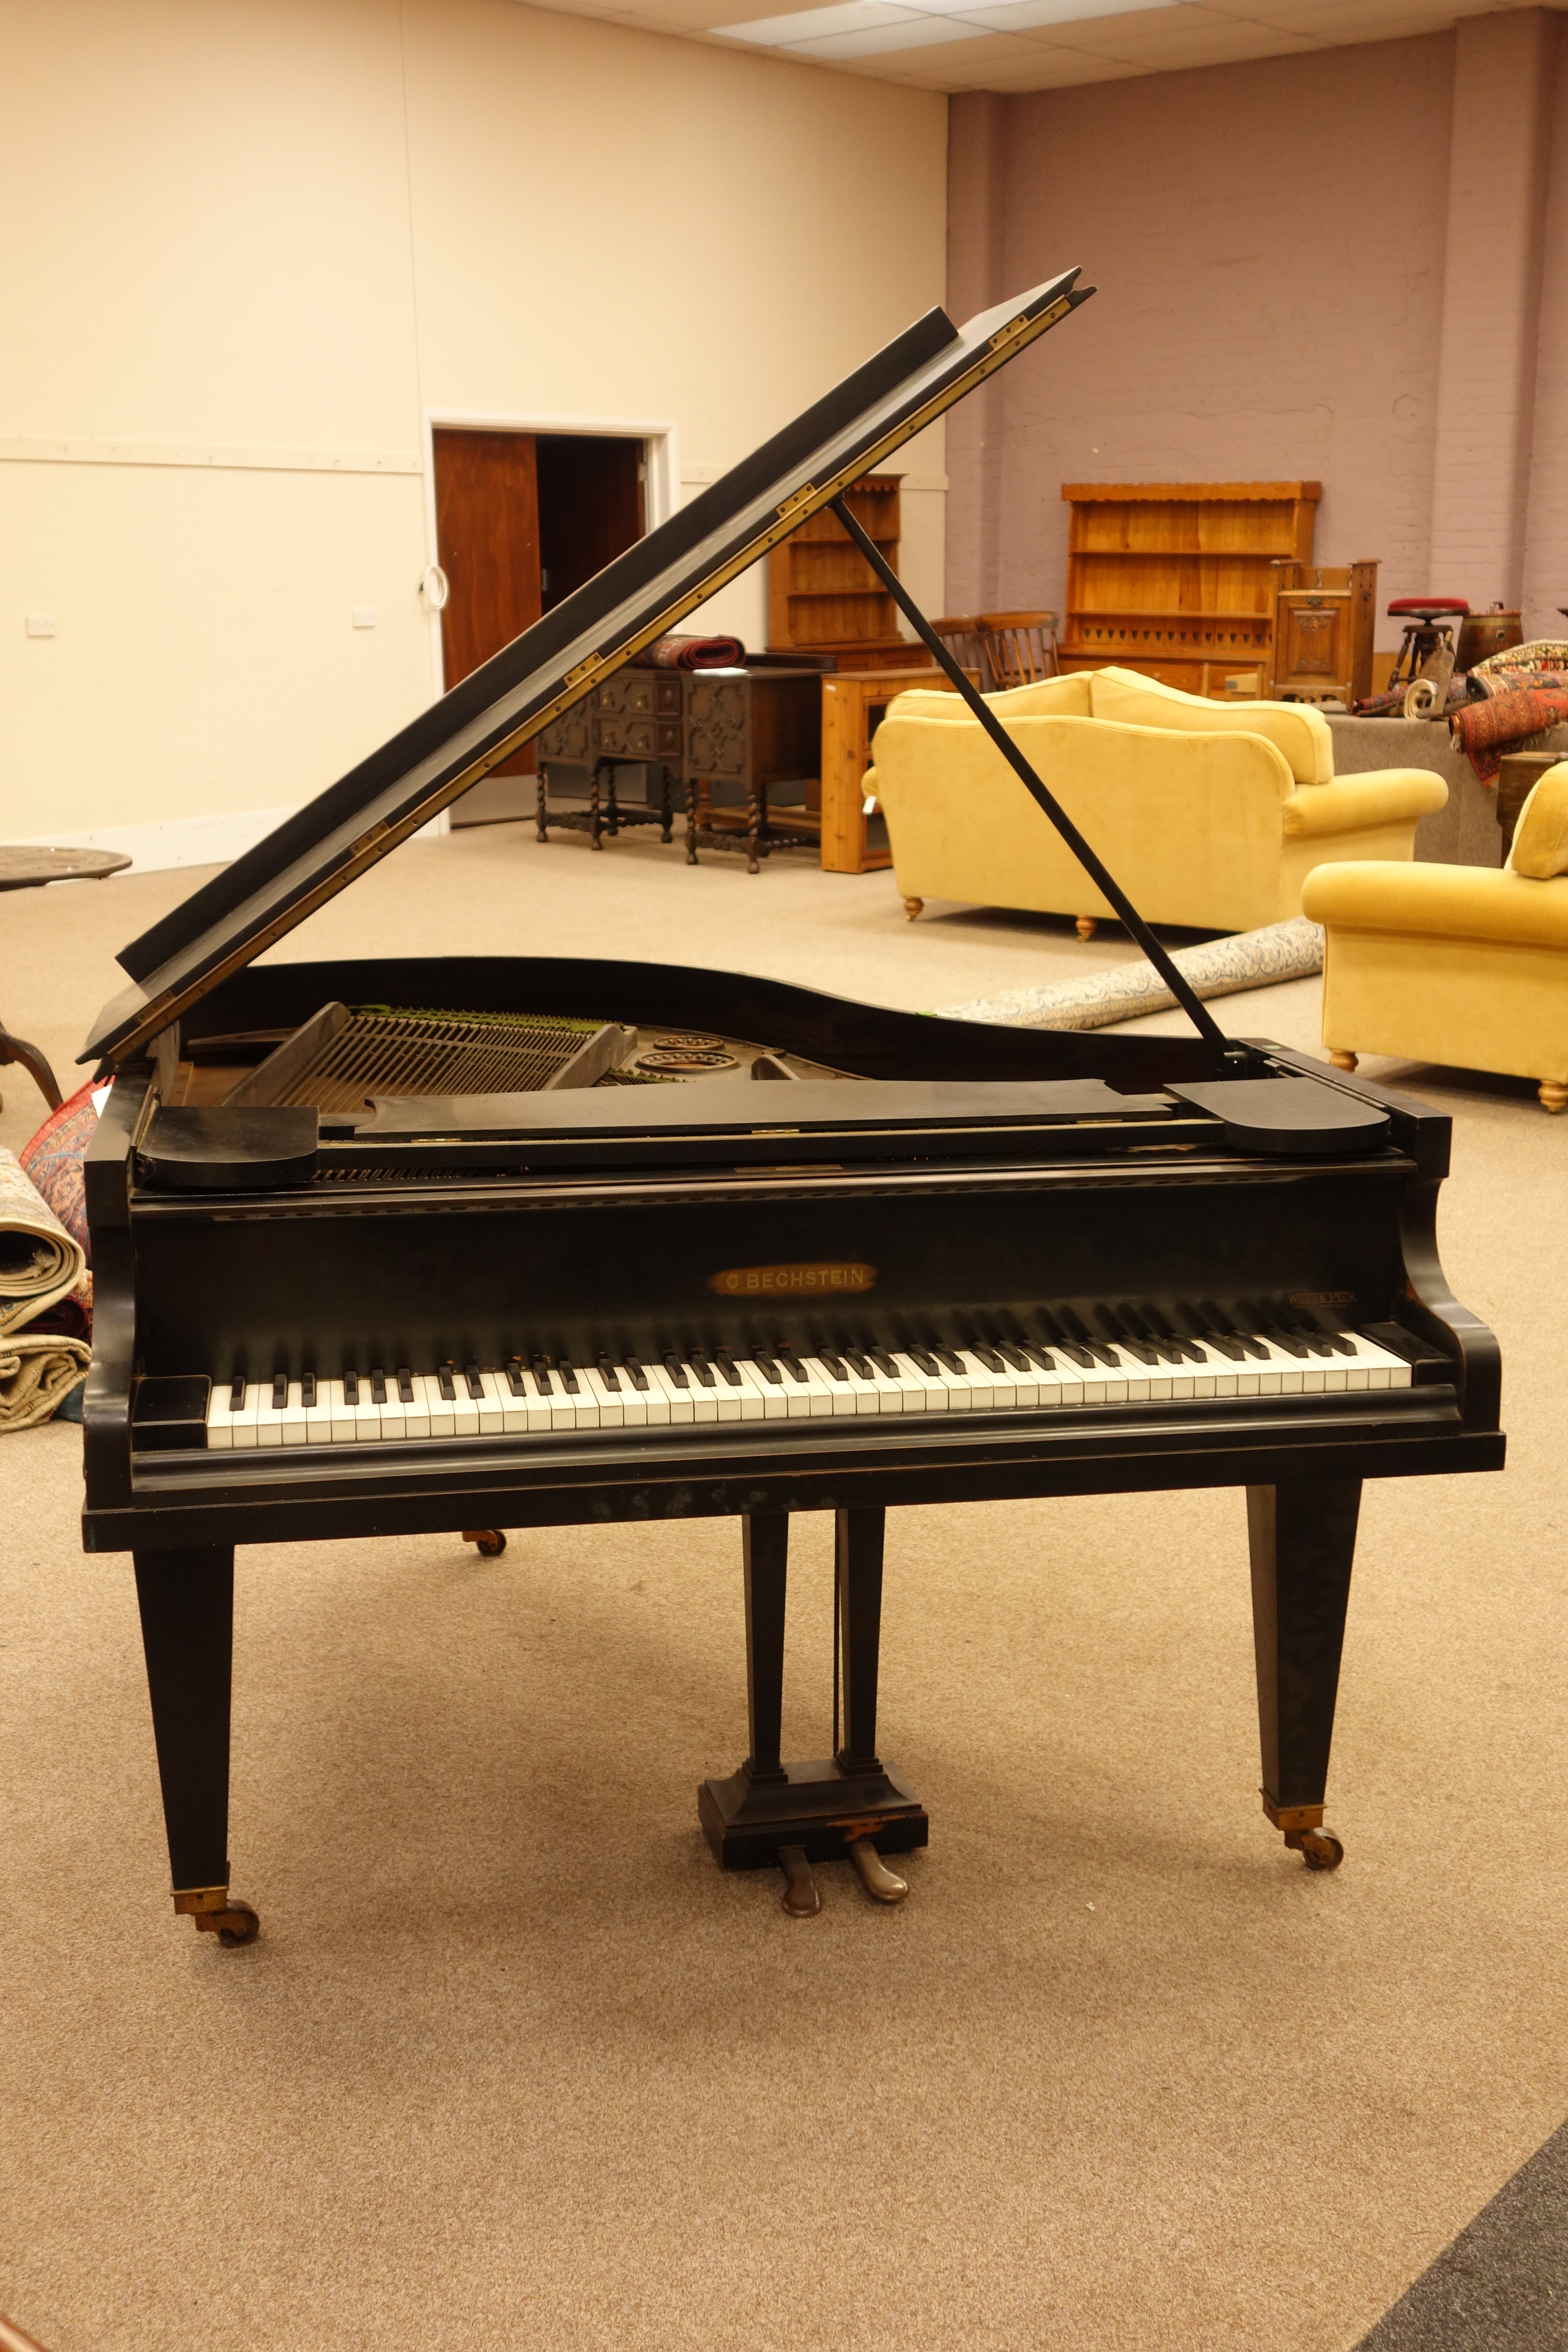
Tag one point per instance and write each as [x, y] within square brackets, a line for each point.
[659, 437]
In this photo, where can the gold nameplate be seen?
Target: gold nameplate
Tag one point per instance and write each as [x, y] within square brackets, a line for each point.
[778, 1281]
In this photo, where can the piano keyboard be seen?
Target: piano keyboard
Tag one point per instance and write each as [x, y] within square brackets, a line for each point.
[535, 1396]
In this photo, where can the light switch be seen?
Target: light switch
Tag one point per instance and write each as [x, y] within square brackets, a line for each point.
[363, 616]
[40, 624]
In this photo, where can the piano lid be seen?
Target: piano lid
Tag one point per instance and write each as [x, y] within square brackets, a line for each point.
[326, 844]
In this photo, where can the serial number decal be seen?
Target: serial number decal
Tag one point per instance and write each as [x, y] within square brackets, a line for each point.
[1322, 1298]
[769, 1281]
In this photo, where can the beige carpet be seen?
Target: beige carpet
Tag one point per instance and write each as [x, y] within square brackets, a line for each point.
[515, 2066]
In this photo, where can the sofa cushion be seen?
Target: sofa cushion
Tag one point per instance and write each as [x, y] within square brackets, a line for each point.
[1302, 734]
[1435, 903]
[1540, 837]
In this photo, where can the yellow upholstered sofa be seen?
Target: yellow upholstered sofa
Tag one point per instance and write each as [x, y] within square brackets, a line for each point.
[1207, 813]
[1460, 964]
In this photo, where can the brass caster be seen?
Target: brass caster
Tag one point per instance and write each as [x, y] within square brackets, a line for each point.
[1086, 926]
[237, 1925]
[1345, 1062]
[912, 906]
[801, 1898]
[491, 1541]
[882, 1884]
[1552, 1096]
[1318, 1849]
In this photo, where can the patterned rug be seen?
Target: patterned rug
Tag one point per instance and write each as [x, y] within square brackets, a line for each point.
[41, 1262]
[36, 1377]
[1509, 721]
[1292, 950]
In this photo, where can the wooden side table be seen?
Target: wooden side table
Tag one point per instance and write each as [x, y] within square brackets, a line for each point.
[22, 867]
[1517, 779]
[854, 705]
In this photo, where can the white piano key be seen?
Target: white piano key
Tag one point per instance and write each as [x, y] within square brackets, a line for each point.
[584, 1403]
[770, 1395]
[523, 1409]
[1284, 1377]
[319, 1418]
[394, 1413]
[1056, 1381]
[633, 1401]
[934, 1388]
[867, 1392]
[1224, 1369]
[610, 1402]
[490, 1410]
[958, 1386]
[1380, 1360]
[220, 1429]
[843, 1402]
[442, 1409]
[982, 1388]
[292, 1429]
[269, 1417]
[726, 1398]
[1004, 1384]
[678, 1400]
[655, 1397]
[911, 1389]
[416, 1408]
[339, 1418]
[243, 1418]
[463, 1408]
[748, 1396]
[704, 1401]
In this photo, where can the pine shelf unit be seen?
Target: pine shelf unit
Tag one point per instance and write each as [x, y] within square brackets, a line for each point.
[1176, 579]
[824, 598]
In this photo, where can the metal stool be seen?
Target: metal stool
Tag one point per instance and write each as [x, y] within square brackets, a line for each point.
[1426, 657]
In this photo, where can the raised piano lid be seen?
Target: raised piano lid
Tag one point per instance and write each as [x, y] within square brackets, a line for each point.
[352, 825]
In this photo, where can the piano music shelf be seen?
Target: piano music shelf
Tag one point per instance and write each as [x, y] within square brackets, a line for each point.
[1171, 577]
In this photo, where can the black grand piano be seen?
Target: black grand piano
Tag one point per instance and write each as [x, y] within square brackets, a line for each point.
[478, 1244]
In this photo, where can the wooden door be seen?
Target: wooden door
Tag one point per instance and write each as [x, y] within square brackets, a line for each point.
[487, 539]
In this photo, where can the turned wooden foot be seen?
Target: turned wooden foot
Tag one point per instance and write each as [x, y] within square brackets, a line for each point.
[1552, 1096]
[1087, 925]
[912, 906]
[1343, 1061]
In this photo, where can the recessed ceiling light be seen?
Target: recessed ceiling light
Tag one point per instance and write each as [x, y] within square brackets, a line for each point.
[860, 28]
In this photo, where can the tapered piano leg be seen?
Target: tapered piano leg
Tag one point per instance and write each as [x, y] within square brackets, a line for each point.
[187, 1599]
[824, 1810]
[1302, 1541]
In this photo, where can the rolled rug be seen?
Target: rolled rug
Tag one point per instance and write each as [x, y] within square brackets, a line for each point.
[1292, 950]
[40, 1260]
[690, 653]
[36, 1375]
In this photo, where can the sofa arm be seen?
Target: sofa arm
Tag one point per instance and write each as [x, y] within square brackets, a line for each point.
[1438, 902]
[1357, 803]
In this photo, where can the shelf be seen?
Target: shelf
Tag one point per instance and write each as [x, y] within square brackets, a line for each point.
[1172, 620]
[1178, 555]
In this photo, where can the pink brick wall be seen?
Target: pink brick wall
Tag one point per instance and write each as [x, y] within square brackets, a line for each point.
[1272, 242]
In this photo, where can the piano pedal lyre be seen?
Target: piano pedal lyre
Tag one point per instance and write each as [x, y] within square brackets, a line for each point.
[1303, 1831]
[491, 1542]
[215, 1915]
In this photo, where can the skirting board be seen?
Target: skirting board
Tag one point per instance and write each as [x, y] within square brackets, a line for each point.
[184, 840]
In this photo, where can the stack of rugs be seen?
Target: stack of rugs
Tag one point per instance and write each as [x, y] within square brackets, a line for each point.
[1519, 694]
[1280, 952]
[46, 1289]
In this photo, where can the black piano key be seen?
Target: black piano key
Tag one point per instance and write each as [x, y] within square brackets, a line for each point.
[861, 1366]
[768, 1367]
[1035, 1354]
[350, 1388]
[378, 1388]
[950, 1360]
[279, 1392]
[833, 1368]
[1115, 1324]
[700, 1365]
[1016, 1356]
[635, 1373]
[236, 1394]
[307, 1389]
[794, 1367]
[676, 1369]
[1174, 1345]
[569, 1381]
[989, 1358]
[446, 1381]
[883, 1361]
[924, 1361]
[405, 1385]
[726, 1365]
[542, 1376]
[513, 1376]
[476, 1386]
[609, 1375]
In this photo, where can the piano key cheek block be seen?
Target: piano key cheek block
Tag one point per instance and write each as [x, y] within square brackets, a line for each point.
[473, 1244]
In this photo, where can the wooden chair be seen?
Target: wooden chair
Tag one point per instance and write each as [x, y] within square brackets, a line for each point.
[961, 634]
[1019, 647]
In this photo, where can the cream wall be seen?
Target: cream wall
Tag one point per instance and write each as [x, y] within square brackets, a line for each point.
[252, 246]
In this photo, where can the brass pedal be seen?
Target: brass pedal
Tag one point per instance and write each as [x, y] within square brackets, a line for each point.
[882, 1884]
[802, 1897]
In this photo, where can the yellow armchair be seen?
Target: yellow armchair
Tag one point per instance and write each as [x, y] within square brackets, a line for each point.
[1459, 964]
[1208, 815]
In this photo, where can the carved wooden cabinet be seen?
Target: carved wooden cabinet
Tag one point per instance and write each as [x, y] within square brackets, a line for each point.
[750, 733]
[1324, 618]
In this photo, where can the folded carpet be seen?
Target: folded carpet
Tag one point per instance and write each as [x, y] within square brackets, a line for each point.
[41, 1262]
[1509, 721]
[1292, 950]
[37, 1373]
[690, 653]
